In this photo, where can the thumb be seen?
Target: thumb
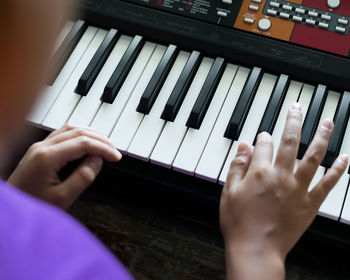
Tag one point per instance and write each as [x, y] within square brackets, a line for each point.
[239, 165]
[80, 179]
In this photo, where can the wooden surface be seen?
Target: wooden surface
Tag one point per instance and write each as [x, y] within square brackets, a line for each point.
[163, 237]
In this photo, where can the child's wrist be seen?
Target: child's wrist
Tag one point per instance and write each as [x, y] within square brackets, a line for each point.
[254, 261]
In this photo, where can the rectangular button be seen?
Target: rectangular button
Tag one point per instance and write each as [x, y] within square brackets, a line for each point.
[227, 1]
[323, 25]
[256, 1]
[310, 21]
[274, 4]
[297, 18]
[284, 15]
[254, 7]
[222, 14]
[249, 20]
[299, 10]
[287, 7]
[312, 14]
[343, 21]
[271, 12]
[326, 17]
[340, 29]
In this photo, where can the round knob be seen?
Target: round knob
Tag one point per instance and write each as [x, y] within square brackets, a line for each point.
[333, 3]
[264, 24]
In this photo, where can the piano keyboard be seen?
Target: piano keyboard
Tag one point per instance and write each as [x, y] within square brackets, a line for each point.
[181, 109]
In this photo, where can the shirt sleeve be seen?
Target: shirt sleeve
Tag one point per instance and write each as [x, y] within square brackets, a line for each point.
[39, 241]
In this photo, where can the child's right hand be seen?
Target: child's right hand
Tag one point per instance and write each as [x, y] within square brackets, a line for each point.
[37, 171]
[266, 206]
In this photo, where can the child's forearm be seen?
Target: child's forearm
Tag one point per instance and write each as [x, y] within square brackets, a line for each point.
[253, 264]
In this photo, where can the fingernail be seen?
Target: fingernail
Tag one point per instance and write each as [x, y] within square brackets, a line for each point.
[96, 162]
[242, 148]
[119, 154]
[296, 107]
[344, 159]
[327, 124]
[264, 136]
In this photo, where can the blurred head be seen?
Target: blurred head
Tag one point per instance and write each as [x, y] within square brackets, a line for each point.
[27, 34]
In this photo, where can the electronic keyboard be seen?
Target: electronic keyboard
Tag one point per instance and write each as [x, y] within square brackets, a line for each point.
[176, 85]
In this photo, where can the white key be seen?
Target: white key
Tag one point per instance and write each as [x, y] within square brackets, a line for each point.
[344, 180]
[63, 34]
[332, 205]
[108, 114]
[130, 119]
[328, 112]
[68, 99]
[252, 122]
[215, 151]
[195, 140]
[88, 105]
[305, 99]
[291, 97]
[50, 94]
[173, 133]
[152, 125]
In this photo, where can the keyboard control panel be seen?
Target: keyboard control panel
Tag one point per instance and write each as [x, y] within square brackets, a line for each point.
[318, 24]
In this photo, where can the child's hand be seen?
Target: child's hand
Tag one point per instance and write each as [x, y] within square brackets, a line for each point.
[265, 207]
[37, 171]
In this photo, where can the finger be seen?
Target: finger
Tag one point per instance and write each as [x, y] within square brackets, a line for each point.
[314, 154]
[77, 132]
[263, 151]
[78, 181]
[288, 149]
[68, 127]
[64, 152]
[329, 180]
[239, 165]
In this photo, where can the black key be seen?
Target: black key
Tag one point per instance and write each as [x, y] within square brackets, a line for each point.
[206, 95]
[120, 73]
[312, 119]
[340, 123]
[152, 90]
[245, 100]
[93, 69]
[178, 94]
[273, 108]
[66, 48]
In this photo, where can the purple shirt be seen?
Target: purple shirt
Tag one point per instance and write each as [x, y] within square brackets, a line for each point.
[39, 241]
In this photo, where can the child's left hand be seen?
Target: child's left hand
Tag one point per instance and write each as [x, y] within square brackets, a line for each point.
[37, 171]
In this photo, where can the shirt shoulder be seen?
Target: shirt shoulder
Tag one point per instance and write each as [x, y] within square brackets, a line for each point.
[39, 241]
